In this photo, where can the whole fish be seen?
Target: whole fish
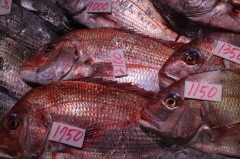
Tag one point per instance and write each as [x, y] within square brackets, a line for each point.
[197, 56]
[6, 103]
[208, 126]
[85, 54]
[110, 120]
[12, 56]
[216, 13]
[50, 11]
[26, 28]
[179, 23]
[135, 15]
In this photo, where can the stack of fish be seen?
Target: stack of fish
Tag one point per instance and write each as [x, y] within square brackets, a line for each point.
[143, 114]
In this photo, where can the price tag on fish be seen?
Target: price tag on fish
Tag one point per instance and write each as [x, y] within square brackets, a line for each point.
[118, 62]
[227, 51]
[5, 7]
[67, 134]
[100, 6]
[203, 91]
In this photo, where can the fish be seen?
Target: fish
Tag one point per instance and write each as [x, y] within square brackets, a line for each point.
[179, 23]
[26, 28]
[109, 118]
[138, 16]
[12, 56]
[50, 12]
[214, 13]
[6, 103]
[196, 57]
[207, 126]
[84, 54]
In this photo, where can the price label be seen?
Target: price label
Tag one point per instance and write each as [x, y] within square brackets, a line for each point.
[67, 134]
[5, 7]
[203, 91]
[227, 51]
[100, 6]
[118, 62]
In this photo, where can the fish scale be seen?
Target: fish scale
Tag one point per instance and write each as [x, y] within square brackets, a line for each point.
[139, 16]
[115, 135]
[13, 55]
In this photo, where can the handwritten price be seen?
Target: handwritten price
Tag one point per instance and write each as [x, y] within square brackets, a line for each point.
[97, 6]
[227, 51]
[203, 91]
[118, 62]
[67, 134]
[5, 6]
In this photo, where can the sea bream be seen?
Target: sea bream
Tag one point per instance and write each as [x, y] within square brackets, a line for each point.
[109, 116]
[205, 125]
[216, 13]
[197, 56]
[85, 55]
[139, 16]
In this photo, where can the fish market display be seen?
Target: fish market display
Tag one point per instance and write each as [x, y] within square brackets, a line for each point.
[179, 22]
[50, 11]
[85, 54]
[208, 126]
[139, 16]
[110, 120]
[6, 103]
[217, 13]
[26, 28]
[12, 56]
[197, 56]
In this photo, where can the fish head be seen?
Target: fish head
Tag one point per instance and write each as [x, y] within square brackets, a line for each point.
[194, 57]
[53, 61]
[22, 132]
[171, 116]
[192, 7]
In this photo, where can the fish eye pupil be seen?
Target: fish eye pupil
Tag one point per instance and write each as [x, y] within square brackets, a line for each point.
[190, 59]
[48, 48]
[170, 101]
[13, 123]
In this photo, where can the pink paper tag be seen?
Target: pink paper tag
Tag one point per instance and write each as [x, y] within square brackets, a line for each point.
[100, 6]
[118, 62]
[203, 91]
[67, 134]
[227, 51]
[5, 7]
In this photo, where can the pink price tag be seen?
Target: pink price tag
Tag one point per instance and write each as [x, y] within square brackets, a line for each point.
[227, 51]
[203, 91]
[67, 134]
[100, 6]
[5, 7]
[118, 62]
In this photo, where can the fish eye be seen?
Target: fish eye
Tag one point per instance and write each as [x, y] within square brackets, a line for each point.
[13, 122]
[171, 100]
[191, 58]
[49, 47]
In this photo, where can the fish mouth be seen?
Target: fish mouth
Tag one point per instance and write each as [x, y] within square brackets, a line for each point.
[146, 121]
[165, 80]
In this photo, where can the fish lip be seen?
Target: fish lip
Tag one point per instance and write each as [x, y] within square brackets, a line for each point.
[164, 80]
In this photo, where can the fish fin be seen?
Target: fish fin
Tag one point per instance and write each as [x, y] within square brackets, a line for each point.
[123, 86]
[222, 140]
